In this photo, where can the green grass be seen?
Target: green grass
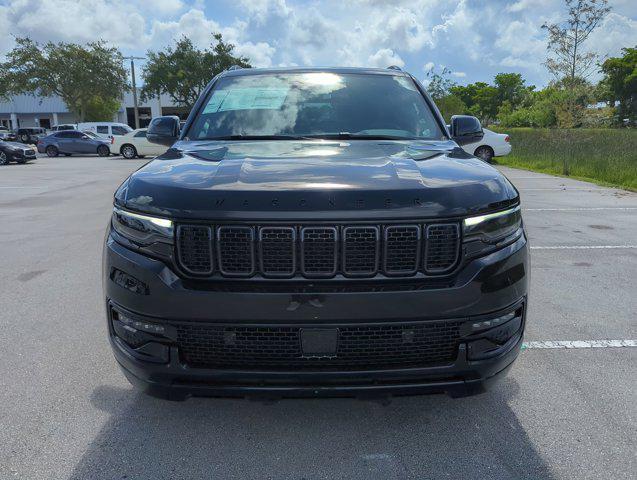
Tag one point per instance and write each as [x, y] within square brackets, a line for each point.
[606, 156]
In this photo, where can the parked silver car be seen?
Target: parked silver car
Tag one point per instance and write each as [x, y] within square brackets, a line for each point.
[68, 142]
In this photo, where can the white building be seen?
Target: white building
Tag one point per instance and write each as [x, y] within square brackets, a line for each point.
[31, 111]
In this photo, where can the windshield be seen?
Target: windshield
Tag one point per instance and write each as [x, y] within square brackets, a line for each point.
[90, 134]
[315, 104]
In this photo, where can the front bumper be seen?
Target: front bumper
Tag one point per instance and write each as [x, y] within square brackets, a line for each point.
[18, 155]
[487, 287]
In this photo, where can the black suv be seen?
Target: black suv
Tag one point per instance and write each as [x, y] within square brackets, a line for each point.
[315, 232]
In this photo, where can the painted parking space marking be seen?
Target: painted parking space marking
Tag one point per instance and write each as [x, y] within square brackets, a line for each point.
[583, 247]
[570, 344]
[563, 189]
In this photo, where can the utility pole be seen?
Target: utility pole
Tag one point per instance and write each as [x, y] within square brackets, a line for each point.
[132, 70]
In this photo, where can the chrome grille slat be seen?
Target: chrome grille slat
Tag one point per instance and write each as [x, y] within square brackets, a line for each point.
[318, 251]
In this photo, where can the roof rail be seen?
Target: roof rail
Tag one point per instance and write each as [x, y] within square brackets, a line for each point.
[394, 67]
[233, 67]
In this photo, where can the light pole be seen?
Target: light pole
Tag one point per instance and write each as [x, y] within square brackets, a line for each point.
[132, 69]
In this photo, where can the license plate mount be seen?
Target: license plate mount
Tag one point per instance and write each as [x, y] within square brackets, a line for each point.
[319, 342]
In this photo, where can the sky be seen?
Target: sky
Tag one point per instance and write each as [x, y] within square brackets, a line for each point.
[474, 39]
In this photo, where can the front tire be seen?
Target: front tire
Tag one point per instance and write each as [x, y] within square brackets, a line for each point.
[485, 153]
[103, 151]
[128, 151]
[4, 160]
[52, 151]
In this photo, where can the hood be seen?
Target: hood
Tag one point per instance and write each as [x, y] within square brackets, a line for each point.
[21, 146]
[316, 179]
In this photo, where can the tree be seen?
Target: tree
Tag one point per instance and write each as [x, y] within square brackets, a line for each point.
[511, 89]
[78, 74]
[439, 83]
[99, 109]
[183, 71]
[450, 105]
[620, 82]
[567, 57]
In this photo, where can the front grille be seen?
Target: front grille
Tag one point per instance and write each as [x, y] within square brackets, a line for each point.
[235, 249]
[359, 346]
[318, 251]
[360, 250]
[442, 245]
[402, 249]
[194, 245]
[278, 251]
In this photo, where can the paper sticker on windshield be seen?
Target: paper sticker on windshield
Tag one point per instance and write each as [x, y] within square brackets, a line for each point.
[246, 99]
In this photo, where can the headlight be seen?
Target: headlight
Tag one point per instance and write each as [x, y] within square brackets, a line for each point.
[485, 233]
[143, 230]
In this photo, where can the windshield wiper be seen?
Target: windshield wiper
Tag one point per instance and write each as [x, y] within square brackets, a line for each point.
[257, 137]
[359, 136]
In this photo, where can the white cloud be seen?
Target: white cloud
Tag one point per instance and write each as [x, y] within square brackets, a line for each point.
[474, 39]
[384, 58]
[428, 66]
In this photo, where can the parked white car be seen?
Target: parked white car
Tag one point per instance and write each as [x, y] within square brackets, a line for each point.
[105, 129]
[135, 144]
[491, 145]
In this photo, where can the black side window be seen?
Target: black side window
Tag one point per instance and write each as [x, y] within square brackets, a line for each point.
[102, 129]
[119, 130]
[141, 134]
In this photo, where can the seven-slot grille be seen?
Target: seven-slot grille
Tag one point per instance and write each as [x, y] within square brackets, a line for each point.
[359, 346]
[318, 251]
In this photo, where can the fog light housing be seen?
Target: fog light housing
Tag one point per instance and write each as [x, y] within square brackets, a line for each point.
[494, 336]
[142, 339]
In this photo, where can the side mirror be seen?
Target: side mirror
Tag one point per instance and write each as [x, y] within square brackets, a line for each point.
[163, 130]
[466, 129]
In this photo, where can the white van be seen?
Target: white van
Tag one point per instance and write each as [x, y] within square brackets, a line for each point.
[105, 129]
[64, 126]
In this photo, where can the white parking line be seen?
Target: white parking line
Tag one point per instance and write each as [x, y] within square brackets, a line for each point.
[581, 344]
[583, 247]
[576, 209]
[563, 189]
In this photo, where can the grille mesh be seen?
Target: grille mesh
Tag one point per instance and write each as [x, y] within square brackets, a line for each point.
[441, 247]
[318, 251]
[360, 347]
[236, 250]
[195, 248]
[402, 245]
[360, 250]
[278, 254]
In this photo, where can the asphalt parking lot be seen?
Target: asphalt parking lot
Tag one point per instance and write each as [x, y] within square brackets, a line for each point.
[67, 412]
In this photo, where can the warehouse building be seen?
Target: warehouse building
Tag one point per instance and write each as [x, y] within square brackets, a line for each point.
[45, 112]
